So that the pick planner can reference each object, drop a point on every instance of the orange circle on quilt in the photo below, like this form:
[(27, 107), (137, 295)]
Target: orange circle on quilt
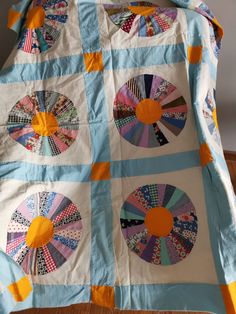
[(35, 17), (44, 123), (40, 232), (148, 111), (142, 10), (159, 221)]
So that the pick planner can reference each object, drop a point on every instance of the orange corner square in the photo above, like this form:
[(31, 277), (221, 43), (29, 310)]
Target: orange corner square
[(21, 289), (229, 296), (93, 61), (13, 17), (100, 171), (194, 54), (205, 154), (103, 296)]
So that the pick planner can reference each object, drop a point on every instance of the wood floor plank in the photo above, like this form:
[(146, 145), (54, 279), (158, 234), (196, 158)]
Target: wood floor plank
[(93, 309)]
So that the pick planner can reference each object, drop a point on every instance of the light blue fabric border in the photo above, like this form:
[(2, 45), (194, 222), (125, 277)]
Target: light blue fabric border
[(155, 165), (220, 217), (10, 272), (58, 67), (29, 172), (163, 297), (117, 59), (113, 60), (171, 297), (102, 257), (88, 23), (221, 225), (102, 263), (7, 302), (55, 296)]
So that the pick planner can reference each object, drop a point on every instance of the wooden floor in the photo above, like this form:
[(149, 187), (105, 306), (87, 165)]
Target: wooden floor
[(92, 309), (231, 162)]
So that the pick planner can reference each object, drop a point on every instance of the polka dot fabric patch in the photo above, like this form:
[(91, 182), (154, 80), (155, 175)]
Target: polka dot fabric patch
[(43, 233), (143, 19), (43, 25), (45, 123), (149, 111), (159, 224)]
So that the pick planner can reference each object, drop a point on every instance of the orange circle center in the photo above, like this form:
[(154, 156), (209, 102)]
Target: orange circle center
[(159, 221), (40, 232), (44, 123), (148, 111), (142, 10), (35, 17)]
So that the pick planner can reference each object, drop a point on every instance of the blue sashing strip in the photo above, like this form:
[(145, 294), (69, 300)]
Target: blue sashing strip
[(29, 172), (19, 73), (102, 258), (55, 296), (12, 271), (155, 165), (7, 303), (113, 60), (171, 297), (222, 224), (220, 215), (143, 56)]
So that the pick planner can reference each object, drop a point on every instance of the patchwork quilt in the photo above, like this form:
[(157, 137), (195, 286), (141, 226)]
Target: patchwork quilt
[(113, 185)]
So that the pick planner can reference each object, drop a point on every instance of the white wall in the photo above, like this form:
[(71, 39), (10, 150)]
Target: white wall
[(226, 83)]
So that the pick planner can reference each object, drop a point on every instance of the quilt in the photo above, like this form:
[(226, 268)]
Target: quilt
[(113, 184)]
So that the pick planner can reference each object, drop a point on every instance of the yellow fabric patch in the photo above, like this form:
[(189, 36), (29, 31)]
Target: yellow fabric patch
[(159, 221), (100, 171), (93, 61), (148, 111), (214, 116), (103, 296), (40, 232), (13, 17), (35, 17), (142, 10), (220, 28), (194, 54), (21, 289), (44, 123), (205, 154), (229, 295)]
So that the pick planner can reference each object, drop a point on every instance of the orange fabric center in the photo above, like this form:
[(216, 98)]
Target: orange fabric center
[(40, 232), (159, 221), (148, 111), (142, 10), (44, 123), (35, 17)]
